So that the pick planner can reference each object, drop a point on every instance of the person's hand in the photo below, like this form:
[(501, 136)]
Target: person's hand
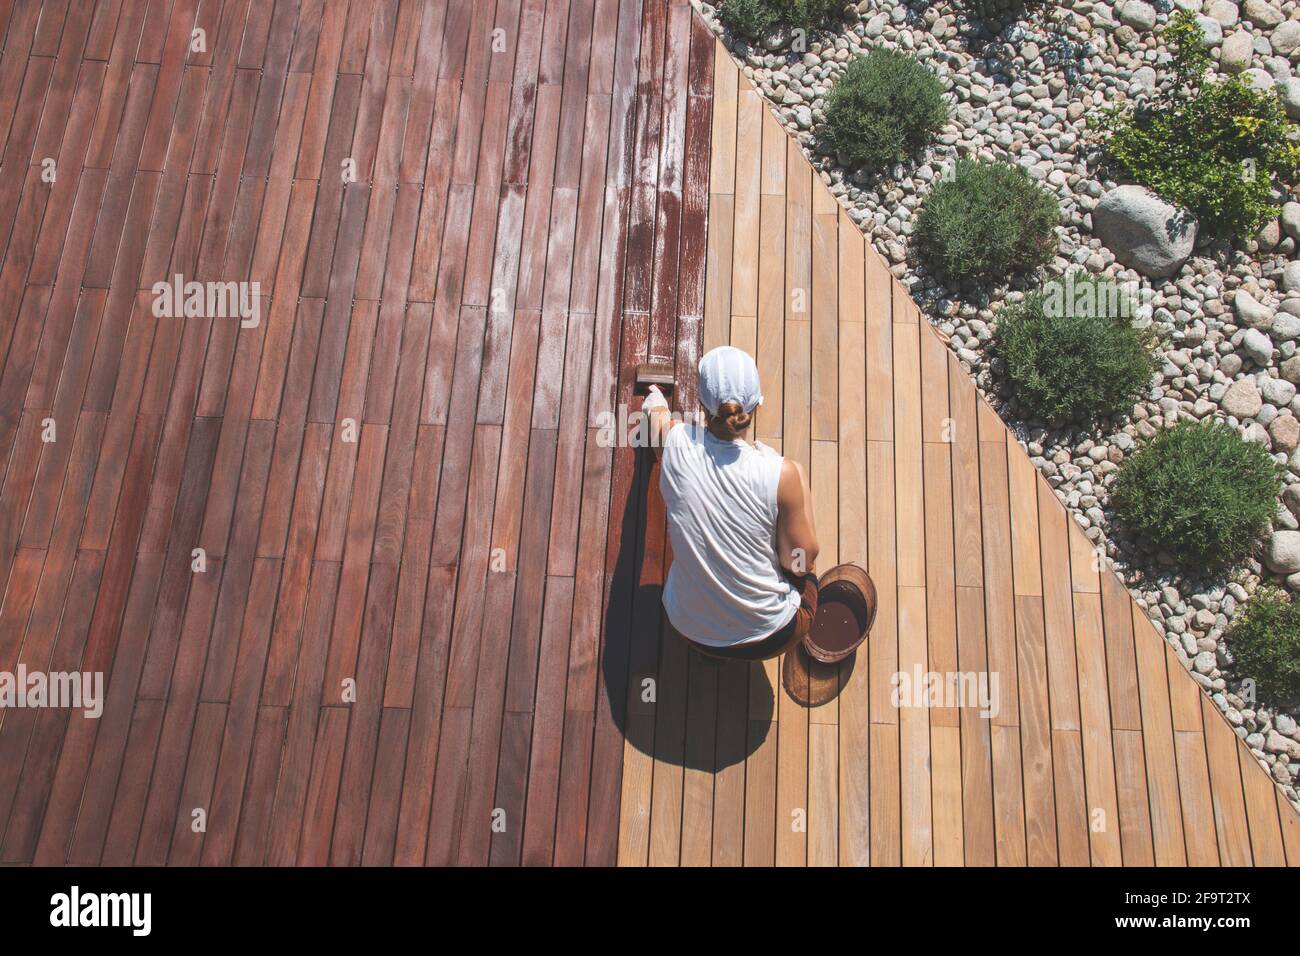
[(655, 399)]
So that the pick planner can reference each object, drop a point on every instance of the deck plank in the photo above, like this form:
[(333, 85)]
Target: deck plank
[(1158, 738), (1226, 792)]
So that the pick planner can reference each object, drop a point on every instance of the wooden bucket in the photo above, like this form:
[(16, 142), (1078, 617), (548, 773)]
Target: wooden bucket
[(846, 609)]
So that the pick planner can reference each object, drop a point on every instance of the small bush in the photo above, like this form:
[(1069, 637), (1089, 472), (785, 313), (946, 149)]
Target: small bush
[(754, 18), (1215, 149), (1077, 359), (1200, 492), (884, 108), (1265, 643), (980, 10), (1187, 40), (985, 221)]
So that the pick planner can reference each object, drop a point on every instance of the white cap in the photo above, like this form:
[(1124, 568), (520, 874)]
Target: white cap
[(728, 374)]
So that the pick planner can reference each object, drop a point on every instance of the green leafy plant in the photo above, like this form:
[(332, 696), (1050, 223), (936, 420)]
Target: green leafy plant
[(884, 107), (986, 220), (1192, 57), (1214, 148), (1200, 492), (1072, 354), (981, 10), (1265, 643), (755, 18)]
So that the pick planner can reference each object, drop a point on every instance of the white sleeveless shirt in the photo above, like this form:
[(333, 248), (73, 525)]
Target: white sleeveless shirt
[(725, 585)]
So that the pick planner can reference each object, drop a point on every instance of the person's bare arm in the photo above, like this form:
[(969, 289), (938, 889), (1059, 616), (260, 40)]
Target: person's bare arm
[(796, 536)]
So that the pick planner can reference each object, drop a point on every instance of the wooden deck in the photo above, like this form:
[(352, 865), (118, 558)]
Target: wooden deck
[(426, 605), (1103, 751)]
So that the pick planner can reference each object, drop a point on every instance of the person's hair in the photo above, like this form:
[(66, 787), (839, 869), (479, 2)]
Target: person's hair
[(731, 421)]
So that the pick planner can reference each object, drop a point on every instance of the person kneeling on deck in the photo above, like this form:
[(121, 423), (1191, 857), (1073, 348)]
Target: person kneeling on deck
[(742, 583)]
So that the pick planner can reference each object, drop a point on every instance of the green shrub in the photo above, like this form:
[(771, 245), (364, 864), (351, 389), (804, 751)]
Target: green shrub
[(884, 108), (1200, 492), (1075, 356), (987, 220), (980, 10), (754, 18), (1215, 149), (1191, 56), (1265, 643)]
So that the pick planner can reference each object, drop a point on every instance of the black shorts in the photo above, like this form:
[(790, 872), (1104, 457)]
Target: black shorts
[(781, 640)]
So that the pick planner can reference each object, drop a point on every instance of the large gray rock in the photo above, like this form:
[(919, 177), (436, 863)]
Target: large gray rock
[(1291, 277), (1285, 432), (1211, 31), (1242, 400), (1138, 14), (1145, 79), (1269, 235), (1145, 232), (1250, 312), (1283, 552), (1289, 90), (1258, 347), (1255, 432), (1279, 66), (1275, 743), (1224, 11), (1257, 79), (1286, 38), (1277, 391), (775, 38), (1291, 219), (1286, 327), (1262, 13), (1235, 54)]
